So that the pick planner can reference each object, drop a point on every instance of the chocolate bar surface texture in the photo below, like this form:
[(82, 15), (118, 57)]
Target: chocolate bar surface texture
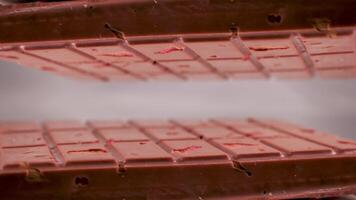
[(173, 159), (289, 54)]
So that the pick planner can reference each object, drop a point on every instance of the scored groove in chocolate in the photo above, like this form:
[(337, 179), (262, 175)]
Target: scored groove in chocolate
[(77, 50), (195, 56), (52, 146), (250, 135), (237, 41), (303, 52), (107, 143), (58, 62), (336, 143)]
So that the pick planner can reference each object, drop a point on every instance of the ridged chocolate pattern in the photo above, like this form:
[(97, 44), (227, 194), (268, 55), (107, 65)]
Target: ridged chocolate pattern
[(299, 54), (260, 151), (175, 141), (248, 158)]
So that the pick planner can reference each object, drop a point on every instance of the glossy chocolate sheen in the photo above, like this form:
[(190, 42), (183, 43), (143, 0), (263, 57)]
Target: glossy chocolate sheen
[(293, 54), (237, 159), (86, 19)]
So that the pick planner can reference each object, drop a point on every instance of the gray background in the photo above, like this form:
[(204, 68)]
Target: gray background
[(27, 94)]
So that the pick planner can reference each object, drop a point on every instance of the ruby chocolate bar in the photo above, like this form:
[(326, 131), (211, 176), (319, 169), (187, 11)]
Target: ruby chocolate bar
[(176, 159)]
